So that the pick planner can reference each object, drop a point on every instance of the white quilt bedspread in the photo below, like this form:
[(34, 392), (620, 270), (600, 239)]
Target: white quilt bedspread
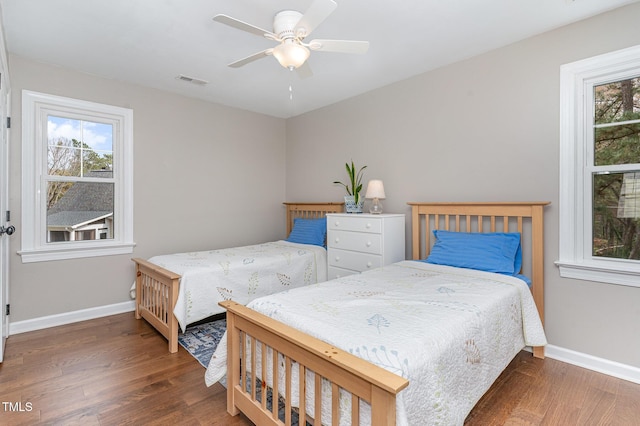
[(449, 331), (241, 274)]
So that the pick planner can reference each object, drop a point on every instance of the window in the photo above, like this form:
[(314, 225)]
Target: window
[(77, 181), (600, 168)]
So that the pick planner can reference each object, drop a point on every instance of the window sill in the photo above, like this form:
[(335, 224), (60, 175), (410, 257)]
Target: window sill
[(606, 272), (76, 252)]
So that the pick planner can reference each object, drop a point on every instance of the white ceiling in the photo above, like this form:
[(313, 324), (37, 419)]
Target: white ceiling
[(151, 42)]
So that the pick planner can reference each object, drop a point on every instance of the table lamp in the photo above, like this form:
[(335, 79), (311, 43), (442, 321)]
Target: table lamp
[(375, 191)]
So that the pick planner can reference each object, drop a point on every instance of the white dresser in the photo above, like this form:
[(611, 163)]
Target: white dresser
[(359, 242)]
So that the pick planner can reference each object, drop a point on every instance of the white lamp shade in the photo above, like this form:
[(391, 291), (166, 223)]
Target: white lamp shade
[(291, 54), (375, 189)]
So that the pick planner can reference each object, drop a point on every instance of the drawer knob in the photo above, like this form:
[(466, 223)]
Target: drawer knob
[(368, 243), (368, 225), (337, 240), (337, 223), (369, 265), (337, 258)]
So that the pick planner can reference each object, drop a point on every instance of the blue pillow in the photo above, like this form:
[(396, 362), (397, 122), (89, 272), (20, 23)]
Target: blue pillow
[(309, 231), (491, 251)]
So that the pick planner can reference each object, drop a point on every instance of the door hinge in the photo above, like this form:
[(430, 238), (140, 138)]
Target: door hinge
[(7, 215), (7, 310), (8, 122)]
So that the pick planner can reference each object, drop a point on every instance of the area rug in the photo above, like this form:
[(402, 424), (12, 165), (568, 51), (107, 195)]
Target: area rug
[(202, 340)]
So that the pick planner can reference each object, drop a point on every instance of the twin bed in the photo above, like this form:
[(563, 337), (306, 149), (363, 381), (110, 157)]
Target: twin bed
[(175, 290), (411, 343)]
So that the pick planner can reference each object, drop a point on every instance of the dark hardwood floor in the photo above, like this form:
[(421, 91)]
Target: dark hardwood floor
[(116, 370)]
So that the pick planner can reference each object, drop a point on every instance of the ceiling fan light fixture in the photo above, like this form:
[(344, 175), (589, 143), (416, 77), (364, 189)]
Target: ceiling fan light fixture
[(290, 54), (290, 29)]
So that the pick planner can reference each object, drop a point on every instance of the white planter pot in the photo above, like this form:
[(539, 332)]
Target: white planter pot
[(350, 205)]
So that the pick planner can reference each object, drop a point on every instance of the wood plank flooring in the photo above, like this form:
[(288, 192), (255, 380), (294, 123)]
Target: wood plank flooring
[(116, 370)]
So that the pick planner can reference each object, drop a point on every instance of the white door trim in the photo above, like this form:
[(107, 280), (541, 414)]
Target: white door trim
[(5, 104)]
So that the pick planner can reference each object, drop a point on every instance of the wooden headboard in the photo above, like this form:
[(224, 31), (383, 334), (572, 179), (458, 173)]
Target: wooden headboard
[(310, 211), (523, 217)]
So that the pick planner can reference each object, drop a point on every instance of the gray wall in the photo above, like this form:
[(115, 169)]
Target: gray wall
[(482, 129), (206, 176)]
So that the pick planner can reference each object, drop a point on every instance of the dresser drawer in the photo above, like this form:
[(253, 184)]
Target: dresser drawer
[(356, 223), (334, 272), (356, 241), (353, 260)]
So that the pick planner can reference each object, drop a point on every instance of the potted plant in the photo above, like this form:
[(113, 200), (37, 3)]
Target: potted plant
[(352, 201)]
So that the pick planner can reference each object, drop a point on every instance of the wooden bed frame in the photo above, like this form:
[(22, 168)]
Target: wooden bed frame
[(157, 288), (362, 379)]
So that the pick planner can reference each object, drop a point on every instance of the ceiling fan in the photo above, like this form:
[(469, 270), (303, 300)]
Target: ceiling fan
[(290, 28)]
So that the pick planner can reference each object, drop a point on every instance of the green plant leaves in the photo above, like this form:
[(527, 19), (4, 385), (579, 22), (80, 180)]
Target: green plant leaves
[(354, 185)]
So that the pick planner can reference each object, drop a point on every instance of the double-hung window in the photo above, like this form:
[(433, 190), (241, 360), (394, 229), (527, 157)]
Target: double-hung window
[(600, 168), (77, 198)]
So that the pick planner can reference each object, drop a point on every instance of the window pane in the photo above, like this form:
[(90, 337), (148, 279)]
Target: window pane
[(78, 147), (618, 101), (616, 215), (618, 144), (617, 130), (79, 211)]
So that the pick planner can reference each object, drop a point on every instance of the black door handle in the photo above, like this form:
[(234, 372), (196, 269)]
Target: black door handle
[(9, 230)]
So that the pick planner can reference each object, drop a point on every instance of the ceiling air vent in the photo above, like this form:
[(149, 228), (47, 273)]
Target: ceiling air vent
[(192, 80)]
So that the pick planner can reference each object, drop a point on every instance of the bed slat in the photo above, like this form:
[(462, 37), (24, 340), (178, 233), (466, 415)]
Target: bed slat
[(302, 391), (317, 380), (276, 391), (335, 404)]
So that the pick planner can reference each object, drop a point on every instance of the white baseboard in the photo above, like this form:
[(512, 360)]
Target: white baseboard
[(601, 365), (70, 317)]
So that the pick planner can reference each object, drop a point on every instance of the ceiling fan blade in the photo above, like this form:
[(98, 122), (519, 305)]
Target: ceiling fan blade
[(304, 71), (254, 57), (243, 26), (314, 16), (342, 46)]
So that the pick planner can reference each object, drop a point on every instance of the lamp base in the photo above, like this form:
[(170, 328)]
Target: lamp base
[(376, 207)]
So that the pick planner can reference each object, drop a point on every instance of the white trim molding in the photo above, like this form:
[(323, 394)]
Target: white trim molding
[(70, 317), (577, 81), (590, 362), (36, 108)]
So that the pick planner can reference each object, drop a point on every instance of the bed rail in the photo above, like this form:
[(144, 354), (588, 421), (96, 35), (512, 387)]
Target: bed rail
[(301, 352)]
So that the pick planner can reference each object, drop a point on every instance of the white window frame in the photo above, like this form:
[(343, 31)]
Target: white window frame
[(577, 81), (35, 109)]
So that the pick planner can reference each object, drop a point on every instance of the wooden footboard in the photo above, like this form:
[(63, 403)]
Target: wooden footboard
[(301, 352), (156, 295)]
